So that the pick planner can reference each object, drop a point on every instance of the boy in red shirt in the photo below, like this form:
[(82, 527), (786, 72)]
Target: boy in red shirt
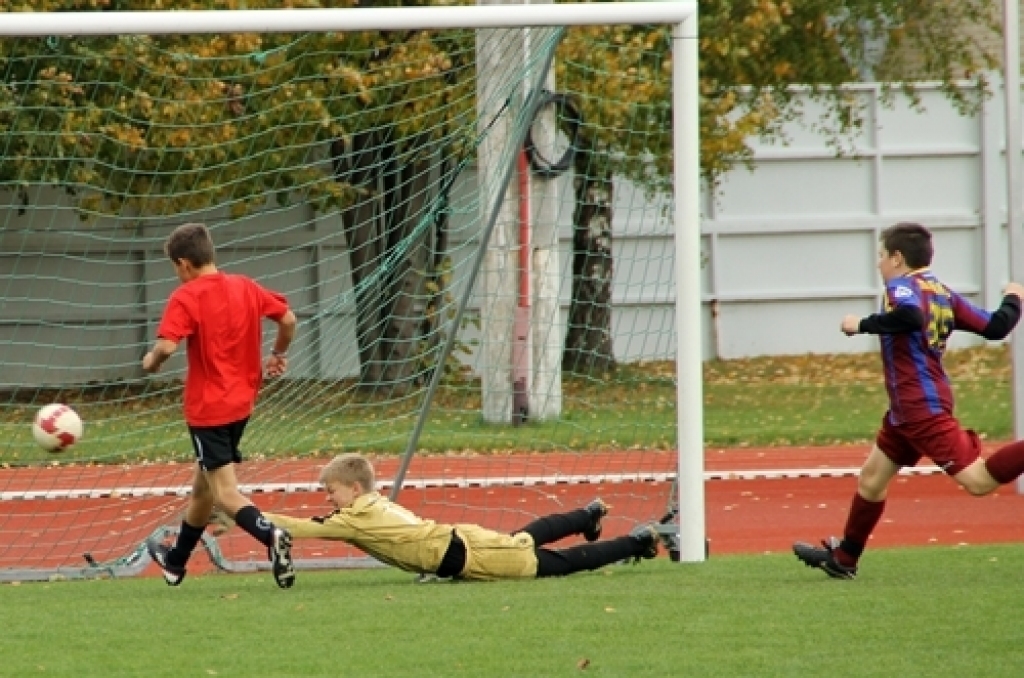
[(919, 313), (220, 315)]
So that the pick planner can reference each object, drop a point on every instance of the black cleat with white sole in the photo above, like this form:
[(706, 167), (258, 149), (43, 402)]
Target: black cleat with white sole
[(280, 552), (158, 552)]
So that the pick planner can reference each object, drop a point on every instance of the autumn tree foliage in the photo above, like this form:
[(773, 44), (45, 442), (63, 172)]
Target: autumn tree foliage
[(750, 52), (172, 124)]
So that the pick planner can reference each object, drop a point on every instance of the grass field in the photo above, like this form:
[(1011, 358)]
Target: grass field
[(801, 400), (914, 612)]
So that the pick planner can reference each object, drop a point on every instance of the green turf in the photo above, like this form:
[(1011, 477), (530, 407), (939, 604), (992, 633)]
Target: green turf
[(797, 400), (914, 612)]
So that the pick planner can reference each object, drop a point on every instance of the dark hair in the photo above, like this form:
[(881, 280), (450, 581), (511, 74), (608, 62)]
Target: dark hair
[(191, 242), (913, 241)]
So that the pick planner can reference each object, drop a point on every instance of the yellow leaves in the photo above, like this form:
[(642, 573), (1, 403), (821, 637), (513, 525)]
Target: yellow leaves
[(179, 138), (347, 74), (244, 43), (144, 102), (202, 120), (125, 134), (783, 69)]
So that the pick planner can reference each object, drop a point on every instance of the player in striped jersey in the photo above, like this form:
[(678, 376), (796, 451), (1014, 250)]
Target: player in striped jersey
[(396, 536), (918, 315)]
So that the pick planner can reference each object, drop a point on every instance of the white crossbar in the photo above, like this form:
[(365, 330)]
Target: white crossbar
[(42, 24)]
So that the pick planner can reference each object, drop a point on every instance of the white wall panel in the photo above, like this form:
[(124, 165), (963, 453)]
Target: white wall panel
[(936, 124), (796, 186), (782, 264), (931, 185), (789, 328)]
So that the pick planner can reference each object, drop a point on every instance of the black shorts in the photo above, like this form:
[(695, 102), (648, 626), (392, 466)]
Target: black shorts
[(217, 446)]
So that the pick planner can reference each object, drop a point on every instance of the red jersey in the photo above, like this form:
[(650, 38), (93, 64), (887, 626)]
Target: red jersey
[(221, 317)]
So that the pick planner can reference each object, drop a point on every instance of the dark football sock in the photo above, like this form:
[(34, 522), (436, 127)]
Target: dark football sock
[(252, 521), (557, 526), (188, 538), (560, 562), (860, 523), (1007, 463)]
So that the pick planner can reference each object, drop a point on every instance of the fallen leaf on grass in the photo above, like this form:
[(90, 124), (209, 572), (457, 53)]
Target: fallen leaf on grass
[(583, 664)]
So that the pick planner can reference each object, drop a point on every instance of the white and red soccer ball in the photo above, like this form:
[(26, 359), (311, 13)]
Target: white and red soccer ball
[(57, 427)]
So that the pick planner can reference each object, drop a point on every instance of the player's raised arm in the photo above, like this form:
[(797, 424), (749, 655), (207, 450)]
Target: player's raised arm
[(995, 325)]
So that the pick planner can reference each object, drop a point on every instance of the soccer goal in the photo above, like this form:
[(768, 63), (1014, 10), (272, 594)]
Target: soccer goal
[(485, 217)]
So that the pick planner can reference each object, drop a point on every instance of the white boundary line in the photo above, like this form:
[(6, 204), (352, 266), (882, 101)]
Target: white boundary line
[(459, 482)]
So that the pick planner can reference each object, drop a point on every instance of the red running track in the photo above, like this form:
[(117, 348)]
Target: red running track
[(742, 516)]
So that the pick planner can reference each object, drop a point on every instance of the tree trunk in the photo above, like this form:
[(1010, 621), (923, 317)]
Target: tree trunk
[(400, 348), (365, 246), (390, 302), (588, 340)]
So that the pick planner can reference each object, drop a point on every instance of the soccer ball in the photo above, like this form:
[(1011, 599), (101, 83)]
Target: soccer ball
[(57, 427)]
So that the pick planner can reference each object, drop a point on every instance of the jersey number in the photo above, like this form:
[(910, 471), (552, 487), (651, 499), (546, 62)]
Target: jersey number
[(940, 326)]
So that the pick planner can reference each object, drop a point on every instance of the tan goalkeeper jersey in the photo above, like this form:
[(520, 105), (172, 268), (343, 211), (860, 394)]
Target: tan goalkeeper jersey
[(395, 535)]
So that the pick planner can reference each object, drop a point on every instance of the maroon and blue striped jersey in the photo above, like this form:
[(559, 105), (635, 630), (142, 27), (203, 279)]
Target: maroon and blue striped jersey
[(919, 314)]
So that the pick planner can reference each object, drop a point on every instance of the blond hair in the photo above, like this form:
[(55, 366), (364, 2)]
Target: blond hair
[(349, 469)]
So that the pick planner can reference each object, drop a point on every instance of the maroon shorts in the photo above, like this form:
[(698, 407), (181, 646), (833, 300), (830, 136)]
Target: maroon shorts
[(940, 438)]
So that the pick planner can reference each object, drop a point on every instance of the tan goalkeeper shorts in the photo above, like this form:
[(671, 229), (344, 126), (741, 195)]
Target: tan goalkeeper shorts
[(497, 555)]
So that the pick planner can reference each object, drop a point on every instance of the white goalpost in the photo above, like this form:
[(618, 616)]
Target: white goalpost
[(681, 15)]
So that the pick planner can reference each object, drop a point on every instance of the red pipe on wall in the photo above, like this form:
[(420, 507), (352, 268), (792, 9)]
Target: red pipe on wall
[(523, 174), (521, 327)]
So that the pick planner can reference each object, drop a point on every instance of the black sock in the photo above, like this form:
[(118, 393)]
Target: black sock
[(188, 538), (556, 563), (558, 526), (252, 521)]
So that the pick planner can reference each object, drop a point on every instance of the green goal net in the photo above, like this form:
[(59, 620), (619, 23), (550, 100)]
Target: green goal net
[(474, 228)]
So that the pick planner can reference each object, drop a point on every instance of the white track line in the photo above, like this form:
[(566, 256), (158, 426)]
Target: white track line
[(460, 482)]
